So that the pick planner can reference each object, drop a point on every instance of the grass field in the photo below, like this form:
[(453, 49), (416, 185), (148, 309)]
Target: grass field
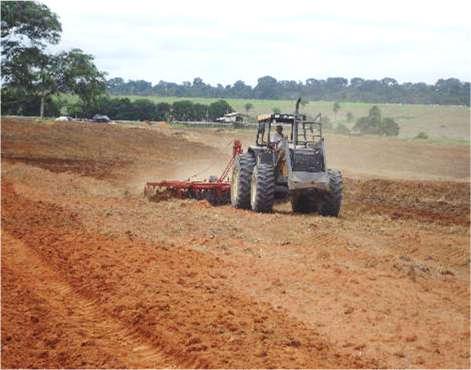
[(440, 122)]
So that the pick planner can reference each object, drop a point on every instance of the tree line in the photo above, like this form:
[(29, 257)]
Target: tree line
[(387, 90), (145, 109), (118, 108)]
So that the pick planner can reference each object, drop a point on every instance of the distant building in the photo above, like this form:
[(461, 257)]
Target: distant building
[(231, 117)]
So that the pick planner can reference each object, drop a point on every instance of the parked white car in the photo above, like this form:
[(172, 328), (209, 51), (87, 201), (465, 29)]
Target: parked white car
[(63, 119)]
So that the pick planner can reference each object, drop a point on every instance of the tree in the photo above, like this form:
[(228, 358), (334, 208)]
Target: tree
[(116, 86), (374, 115), (335, 109), (162, 111), (388, 81), (389, 127), (198, 82), (34, 73), (218, 109), (357, 82), (182, 110), (421, 136), (27, 25), (336, 83), (376, 125), (139, 87), (145, 109), (266, 88), (66, 72), (248, 107), (371, 123), (241, 90), (335, 87), (350, 117), (200, 112), (198, 88), (28, 71), (362, 125), (26, 29), (80, 75)]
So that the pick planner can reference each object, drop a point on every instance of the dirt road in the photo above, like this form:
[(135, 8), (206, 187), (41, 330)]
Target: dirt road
[(93, 275)]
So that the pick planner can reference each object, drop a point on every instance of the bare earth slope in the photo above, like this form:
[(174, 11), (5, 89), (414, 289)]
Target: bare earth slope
[(93, 275)]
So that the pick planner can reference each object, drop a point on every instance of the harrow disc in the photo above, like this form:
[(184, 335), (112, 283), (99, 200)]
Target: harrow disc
[(158, 193), (213, 196)]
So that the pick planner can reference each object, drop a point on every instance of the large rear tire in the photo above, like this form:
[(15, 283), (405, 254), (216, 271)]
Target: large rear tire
[(240, 182), (332, 200), (262, 194)]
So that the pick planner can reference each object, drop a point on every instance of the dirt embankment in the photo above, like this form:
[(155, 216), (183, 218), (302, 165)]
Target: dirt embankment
[(93, 275)]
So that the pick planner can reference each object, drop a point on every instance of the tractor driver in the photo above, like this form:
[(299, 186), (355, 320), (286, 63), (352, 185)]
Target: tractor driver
[(278, 135), (280, 154)]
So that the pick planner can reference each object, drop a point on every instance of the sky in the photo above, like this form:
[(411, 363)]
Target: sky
[(226, 41)]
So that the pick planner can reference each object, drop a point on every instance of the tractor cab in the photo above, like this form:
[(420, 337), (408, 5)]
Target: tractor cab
[(299, 132), (302, 140)]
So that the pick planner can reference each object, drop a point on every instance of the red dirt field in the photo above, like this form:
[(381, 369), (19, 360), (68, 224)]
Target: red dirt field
[(94, 275)]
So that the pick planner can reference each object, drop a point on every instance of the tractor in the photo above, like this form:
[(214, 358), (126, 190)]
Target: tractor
[(292, 167)]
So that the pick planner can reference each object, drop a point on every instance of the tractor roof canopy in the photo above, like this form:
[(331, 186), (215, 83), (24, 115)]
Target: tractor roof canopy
[(279, 117)]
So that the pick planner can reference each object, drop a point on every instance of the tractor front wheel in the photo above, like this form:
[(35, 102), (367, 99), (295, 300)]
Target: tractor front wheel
[(332, 200)]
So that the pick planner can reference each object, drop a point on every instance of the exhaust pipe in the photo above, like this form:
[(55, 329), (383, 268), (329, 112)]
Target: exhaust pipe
[(297, 106), (295, 124)]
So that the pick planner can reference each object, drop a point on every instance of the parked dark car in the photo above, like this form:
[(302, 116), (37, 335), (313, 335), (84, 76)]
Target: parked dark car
[(101, 118)]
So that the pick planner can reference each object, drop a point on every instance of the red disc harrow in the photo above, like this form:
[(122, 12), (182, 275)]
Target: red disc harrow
[(216, 190)]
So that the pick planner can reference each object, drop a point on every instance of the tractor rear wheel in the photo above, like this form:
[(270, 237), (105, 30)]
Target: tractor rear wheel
[(240, 182), (262, 194), (332, 200)]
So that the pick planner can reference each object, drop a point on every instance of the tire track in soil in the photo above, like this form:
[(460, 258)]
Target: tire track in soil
[(110, 336)]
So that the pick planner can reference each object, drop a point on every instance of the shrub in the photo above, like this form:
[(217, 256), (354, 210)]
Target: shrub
[(182, 110), (422, 136), (374, 124), (389, 127), (218, 109)]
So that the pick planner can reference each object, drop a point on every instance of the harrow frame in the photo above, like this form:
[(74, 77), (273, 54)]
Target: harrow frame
[(217, 192)]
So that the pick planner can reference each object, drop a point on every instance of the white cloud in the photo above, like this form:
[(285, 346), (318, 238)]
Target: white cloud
[(223, 41)]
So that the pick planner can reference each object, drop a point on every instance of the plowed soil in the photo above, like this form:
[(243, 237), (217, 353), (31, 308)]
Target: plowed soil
[(94, 275)]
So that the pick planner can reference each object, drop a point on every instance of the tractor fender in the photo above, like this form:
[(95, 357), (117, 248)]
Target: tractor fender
[(263, 155)]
